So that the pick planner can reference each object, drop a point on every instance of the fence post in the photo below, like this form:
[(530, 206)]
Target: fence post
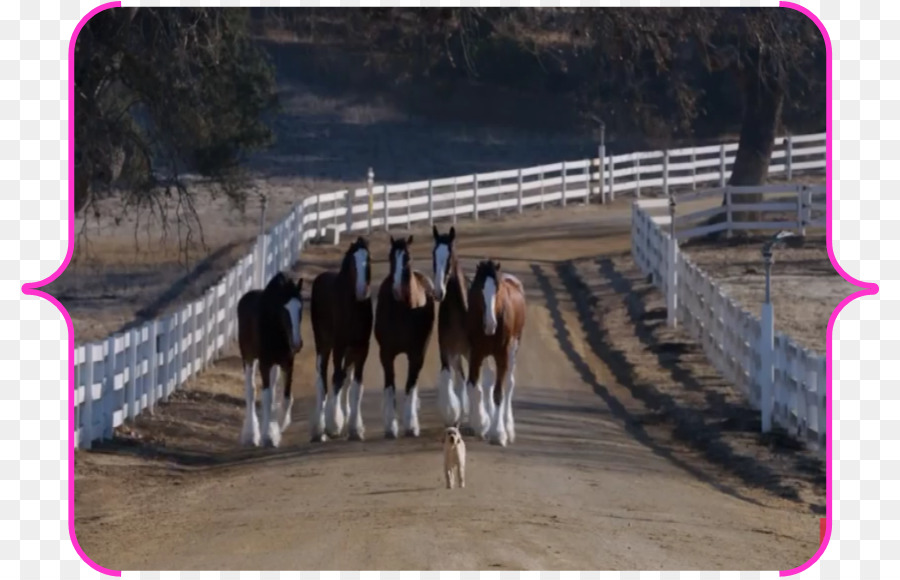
[(475, 195), (672, 273), (601, 162), (767, 351), (87, 407), (541, 190), (370, 185), (587, 183), (132, 394), (665, 175), (455, 191), (693, 169), (109, 391), (563, 175), (801, 204), (788, 156), (408, 209), (386, 213), (722, 165), (612, 177), (430, 203), (729, 218), (348, 218), (637, 176), (154, 366), (519, 191)]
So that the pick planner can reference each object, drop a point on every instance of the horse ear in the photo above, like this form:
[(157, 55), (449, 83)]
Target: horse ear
[(409, 240), (434, 232), (452, 233), (498, 266), (300, 285)]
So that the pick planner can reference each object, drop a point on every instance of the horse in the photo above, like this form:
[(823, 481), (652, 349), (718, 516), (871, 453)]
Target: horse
[(341, 305), (495, 321), (269, 338), (404, 320), (450, 291)]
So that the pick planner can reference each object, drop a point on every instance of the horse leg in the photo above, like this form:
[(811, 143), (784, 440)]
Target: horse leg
[(498, 429), (250, 431), (345, 398), (477, 413), (462, 394), (287, 402), (334, 414), (388, 403), (356, 428), (317, 421), (271, 434), (411, 403), (448, 403), (510, 388)]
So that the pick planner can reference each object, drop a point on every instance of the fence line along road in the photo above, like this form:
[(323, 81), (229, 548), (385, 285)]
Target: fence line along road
[(129, 372), (786, 382)]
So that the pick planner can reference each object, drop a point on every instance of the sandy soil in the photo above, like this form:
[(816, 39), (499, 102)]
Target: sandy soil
[(805, 287), (631, 452)]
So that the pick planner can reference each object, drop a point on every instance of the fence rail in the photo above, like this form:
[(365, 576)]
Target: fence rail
[(786, 382), (118, 378)]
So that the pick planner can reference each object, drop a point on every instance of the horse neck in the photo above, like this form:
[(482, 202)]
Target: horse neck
[(456, 283), (344, 282)]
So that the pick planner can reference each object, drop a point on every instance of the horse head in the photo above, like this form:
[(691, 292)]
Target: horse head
[(359, 266), (401, 268), (442, 258), (484, 286), (286, 295)]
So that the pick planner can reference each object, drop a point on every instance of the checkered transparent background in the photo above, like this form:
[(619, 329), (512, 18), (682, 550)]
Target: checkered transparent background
[(34, 540)]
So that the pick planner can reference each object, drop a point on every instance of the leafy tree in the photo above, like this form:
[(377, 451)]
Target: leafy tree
[(160, 93)]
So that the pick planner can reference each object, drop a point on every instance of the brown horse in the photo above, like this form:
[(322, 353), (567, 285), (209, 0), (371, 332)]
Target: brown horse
[(404, 318), (342, 327), (269, 337), (453, 341), (495, 322)]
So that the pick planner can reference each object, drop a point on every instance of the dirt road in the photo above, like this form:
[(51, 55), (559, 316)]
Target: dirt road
[(630, 452)]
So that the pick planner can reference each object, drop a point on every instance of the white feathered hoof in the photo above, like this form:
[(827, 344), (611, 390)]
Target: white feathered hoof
[(286, 406), (272, 437), (357, 434), (250, 432), (318, 438), (334, 416), (498, 438)]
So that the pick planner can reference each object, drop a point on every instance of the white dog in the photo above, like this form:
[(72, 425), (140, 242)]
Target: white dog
[(454, 457)]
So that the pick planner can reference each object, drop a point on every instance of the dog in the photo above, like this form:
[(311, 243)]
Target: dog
[(454, 457)]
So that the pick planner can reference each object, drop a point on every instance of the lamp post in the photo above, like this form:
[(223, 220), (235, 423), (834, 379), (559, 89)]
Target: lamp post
[(767, 333)]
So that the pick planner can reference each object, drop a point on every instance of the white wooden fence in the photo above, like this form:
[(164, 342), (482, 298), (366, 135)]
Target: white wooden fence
[(785, 381), (120, 377)]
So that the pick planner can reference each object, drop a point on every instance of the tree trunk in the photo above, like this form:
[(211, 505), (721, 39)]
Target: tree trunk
[(763, 102)]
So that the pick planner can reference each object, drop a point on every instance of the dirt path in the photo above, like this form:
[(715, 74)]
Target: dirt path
[(602, 475)]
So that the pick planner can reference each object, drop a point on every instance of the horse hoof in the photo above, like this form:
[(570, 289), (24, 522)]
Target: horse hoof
[(498, 441), (412, 433), (318, 438), (356, 436), (390, 435)]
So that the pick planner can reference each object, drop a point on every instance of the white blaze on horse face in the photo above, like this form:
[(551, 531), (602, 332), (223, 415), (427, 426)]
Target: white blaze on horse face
[(362, 258), (398, 272), (490, 301), (294, 308), (441, 255)]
